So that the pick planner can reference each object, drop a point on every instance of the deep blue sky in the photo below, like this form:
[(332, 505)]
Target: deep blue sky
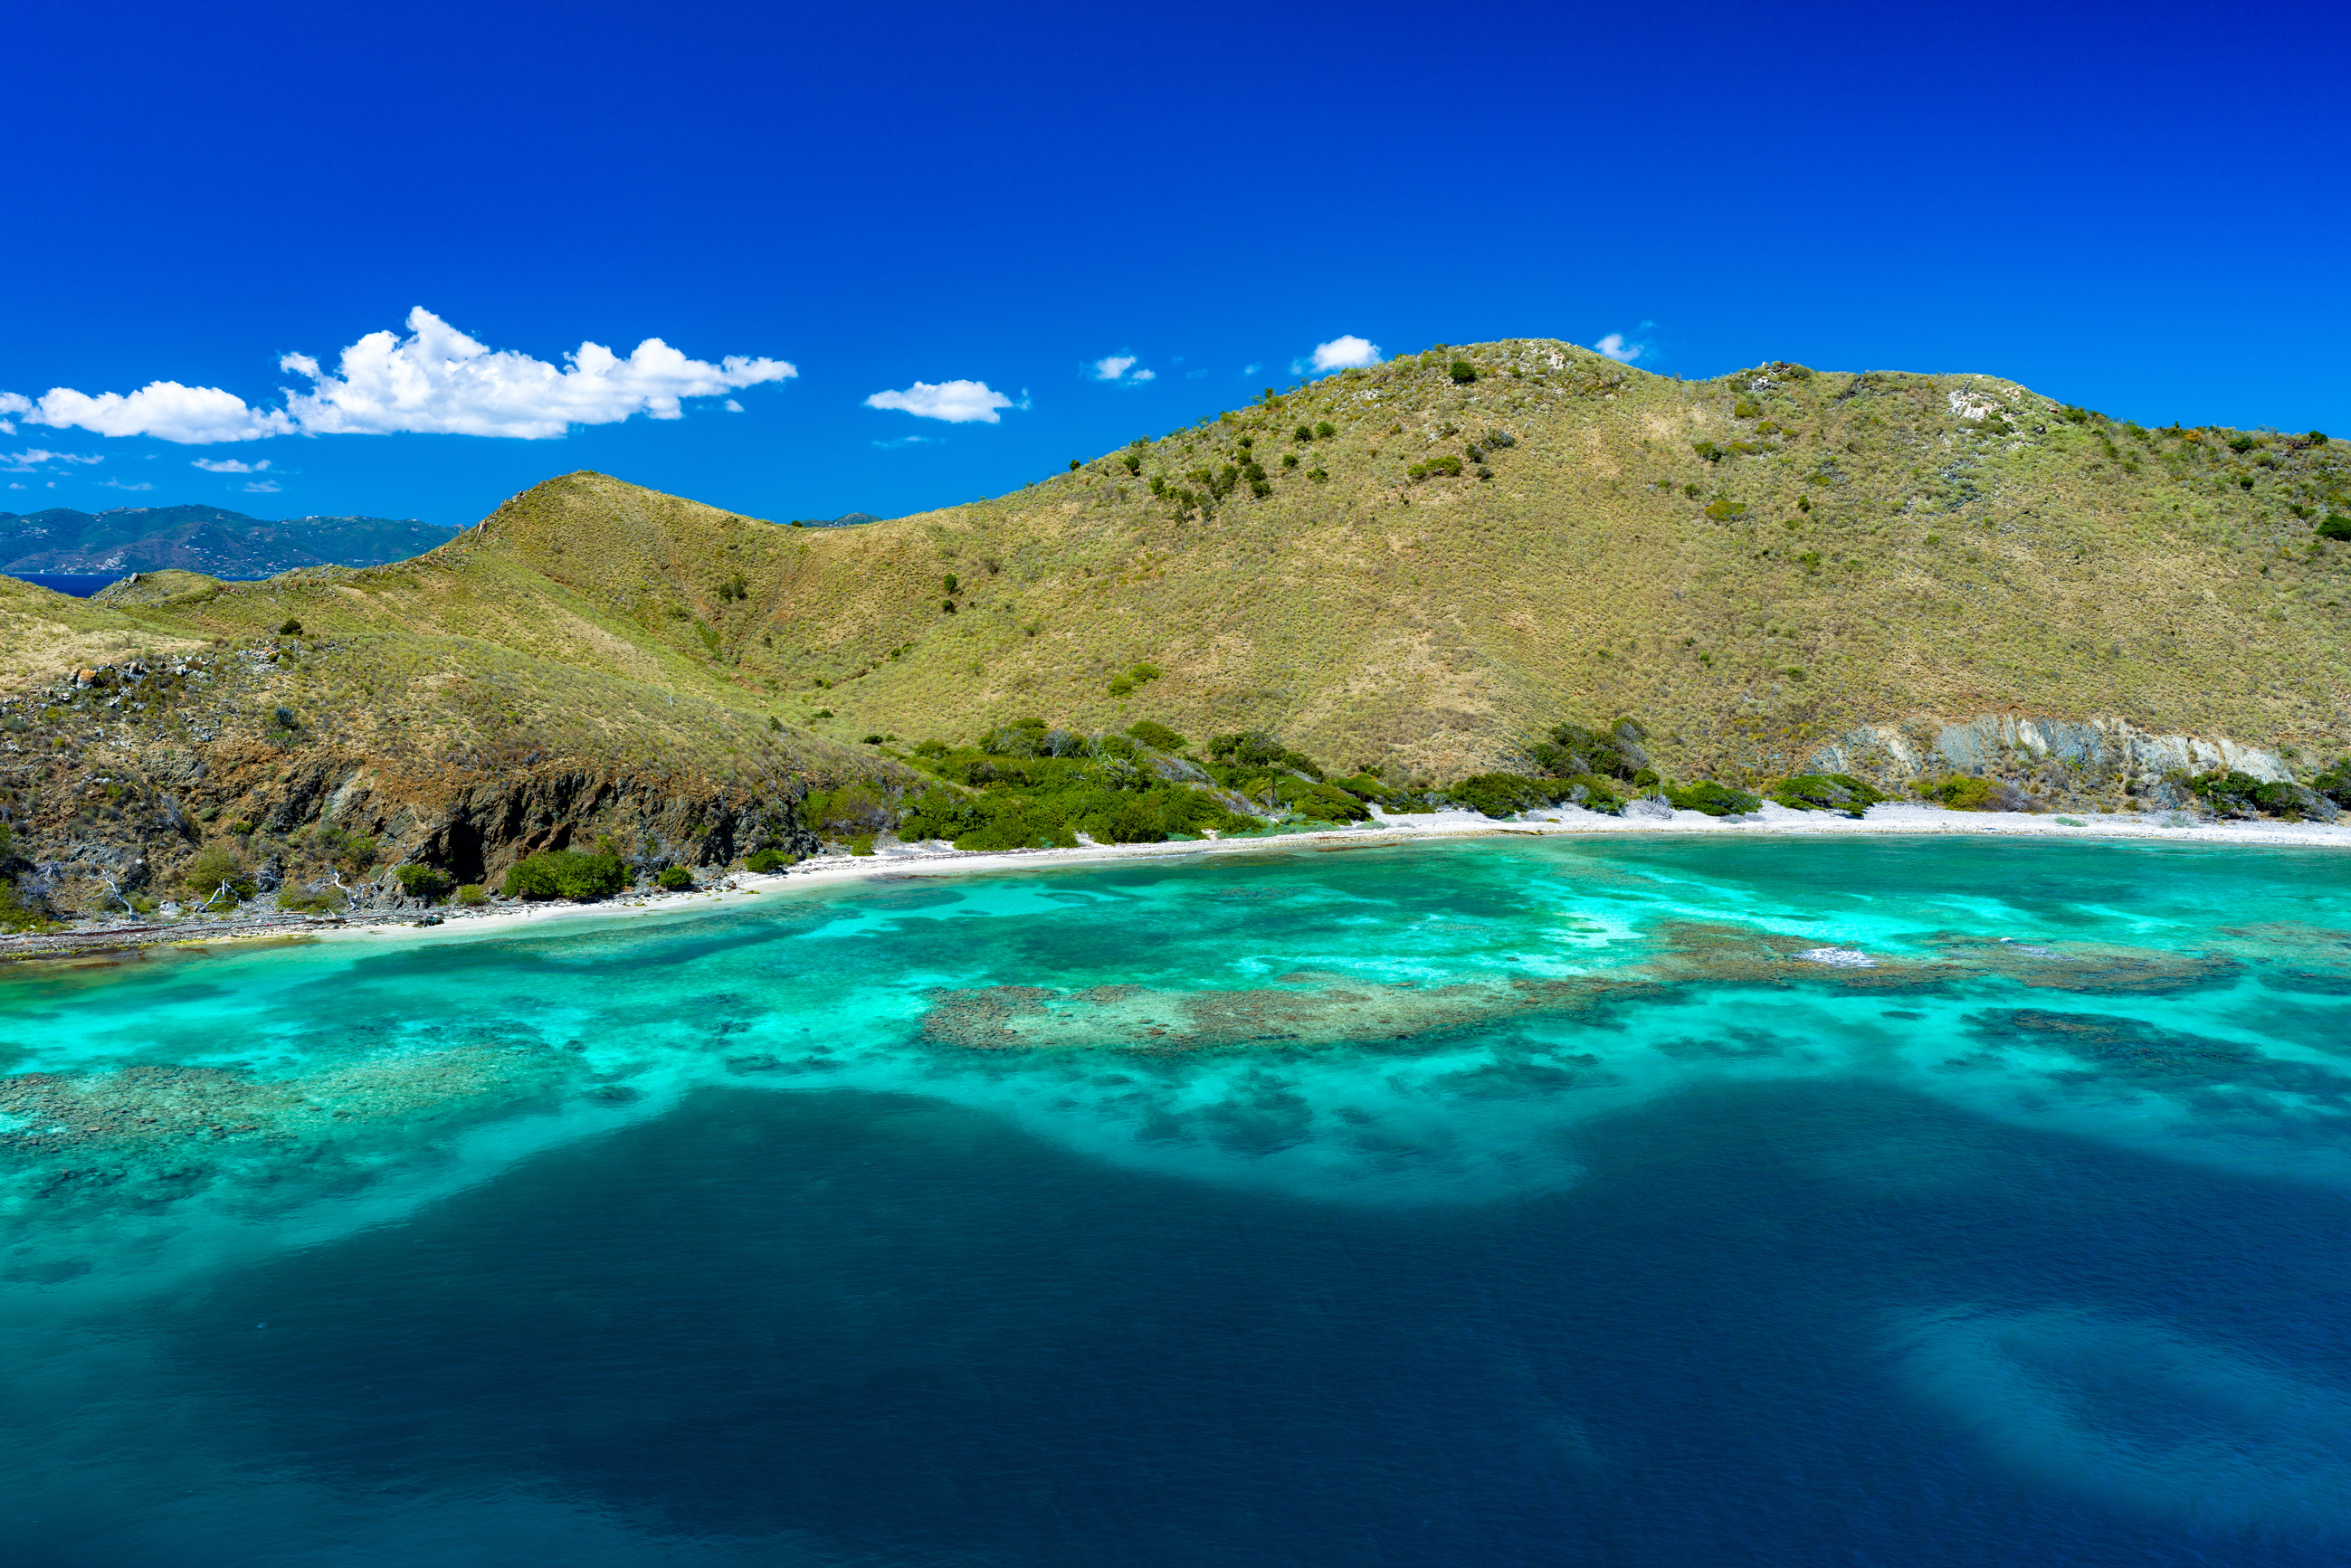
[(2137, 209)]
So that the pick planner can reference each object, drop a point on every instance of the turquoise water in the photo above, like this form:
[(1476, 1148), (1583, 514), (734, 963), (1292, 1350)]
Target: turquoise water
[(1515, 1200)]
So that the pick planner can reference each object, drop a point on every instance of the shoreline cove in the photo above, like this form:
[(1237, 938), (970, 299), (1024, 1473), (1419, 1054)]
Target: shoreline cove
[(1901, 819), (1774, 821)]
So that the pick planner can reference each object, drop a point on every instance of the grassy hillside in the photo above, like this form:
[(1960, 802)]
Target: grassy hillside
[(1749, 564), (1415, 566)]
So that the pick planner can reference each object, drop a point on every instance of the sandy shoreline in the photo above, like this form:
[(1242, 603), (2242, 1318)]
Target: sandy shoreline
[(1772, 821), (1893, 818)]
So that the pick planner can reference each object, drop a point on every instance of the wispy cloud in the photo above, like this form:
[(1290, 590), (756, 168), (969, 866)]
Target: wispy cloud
[(33, 459), (957, 402), (1111, 367), (1344, 353), (1251, 368), (230, 466), (13, 403), (118, 484), (911, 441), (434, 381), (264, 488), (1625, 349)]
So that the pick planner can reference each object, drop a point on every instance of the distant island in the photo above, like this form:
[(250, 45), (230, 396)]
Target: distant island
[(208, 539)]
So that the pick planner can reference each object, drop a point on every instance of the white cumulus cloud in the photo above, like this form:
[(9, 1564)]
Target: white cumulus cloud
[(1112, 366), (1346, 353), (192, 416), (434, 381), (32, 459), (438, 380), (230, 466), (1625, 349), (1144, 376), (13, 403), (958, 403)]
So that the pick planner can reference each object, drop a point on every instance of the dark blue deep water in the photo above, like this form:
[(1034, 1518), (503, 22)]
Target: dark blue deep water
[(757, 1249)]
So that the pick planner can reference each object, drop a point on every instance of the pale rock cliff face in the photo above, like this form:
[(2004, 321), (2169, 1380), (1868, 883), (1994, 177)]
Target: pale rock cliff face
[(2071, 761)]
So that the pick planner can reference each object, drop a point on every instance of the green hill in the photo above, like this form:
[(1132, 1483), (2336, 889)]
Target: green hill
[(1417, 567)]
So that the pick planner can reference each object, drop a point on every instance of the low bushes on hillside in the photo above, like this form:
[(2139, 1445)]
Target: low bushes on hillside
[(1826, 792), (1714, 800), (218, 872), (566, 874), (1507, 794), (1962, 793)]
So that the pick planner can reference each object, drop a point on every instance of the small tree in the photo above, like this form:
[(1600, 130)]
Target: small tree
[(218, 872), (1463, 372)]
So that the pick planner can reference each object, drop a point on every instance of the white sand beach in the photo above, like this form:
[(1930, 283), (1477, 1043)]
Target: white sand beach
[(1572, 822)]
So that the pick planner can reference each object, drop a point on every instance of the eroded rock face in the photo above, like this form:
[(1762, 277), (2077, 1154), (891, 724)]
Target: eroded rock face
[(2064, 762)]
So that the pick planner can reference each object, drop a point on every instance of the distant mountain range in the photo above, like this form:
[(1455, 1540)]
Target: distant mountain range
[(209, 540)]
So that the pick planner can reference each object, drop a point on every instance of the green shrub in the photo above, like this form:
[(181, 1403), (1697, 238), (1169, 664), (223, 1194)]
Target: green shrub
[(2335, 526), (1714, 800), (1324, 430), (1570, 749), (2243, 443), (353, 852), (1157, 735), (1462, 371), (1746, 408), (1723, 510), (1707, 450), (289, 627), (862, 844), (421, 881), (566, 874), (1826, 792), (1133, 462), (215, 866), (852, 809), (2291, 801), (1961, 793), (766, 861), (18, 912), (1076, 463), (675, 879), (1318, 475), (471, 896), (1505, 794), (1304, 434), (2228, 793), (1121, 686)]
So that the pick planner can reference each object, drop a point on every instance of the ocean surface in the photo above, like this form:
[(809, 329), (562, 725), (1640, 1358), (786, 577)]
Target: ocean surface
[(77, 584), (1624, 1202)]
